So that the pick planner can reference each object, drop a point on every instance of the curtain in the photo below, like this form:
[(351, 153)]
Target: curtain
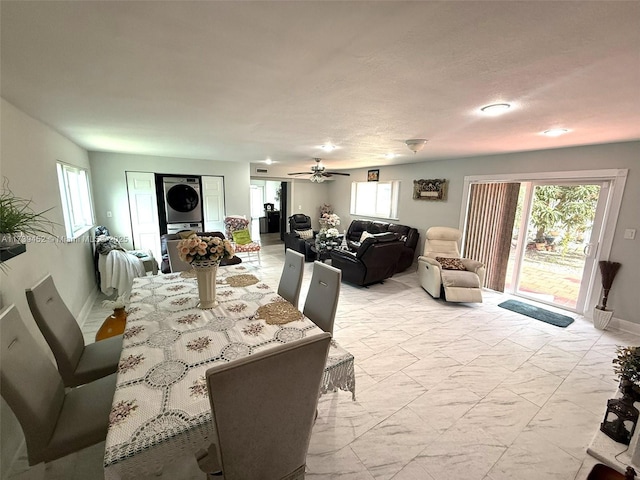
[(492, 211)]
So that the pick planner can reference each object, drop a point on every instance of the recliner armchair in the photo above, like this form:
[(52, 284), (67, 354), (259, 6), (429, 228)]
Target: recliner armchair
[(293, 240), (375, 260), (457, 281)]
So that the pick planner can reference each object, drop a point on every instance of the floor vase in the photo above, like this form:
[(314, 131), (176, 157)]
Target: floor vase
[(601, 318), (206, 272), (113, 325)]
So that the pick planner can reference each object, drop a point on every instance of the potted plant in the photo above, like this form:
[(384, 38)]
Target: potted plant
[(627, 366), (608, 271), (17, 221)]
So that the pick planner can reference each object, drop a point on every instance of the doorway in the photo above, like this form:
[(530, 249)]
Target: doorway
[(554, 241), (567, 250)]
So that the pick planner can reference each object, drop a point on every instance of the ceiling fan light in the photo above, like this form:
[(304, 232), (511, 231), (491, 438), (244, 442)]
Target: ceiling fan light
[(416, 144), (317, 178)]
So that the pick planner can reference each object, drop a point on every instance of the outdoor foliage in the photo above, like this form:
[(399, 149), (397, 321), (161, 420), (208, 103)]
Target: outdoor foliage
[(566, 208)]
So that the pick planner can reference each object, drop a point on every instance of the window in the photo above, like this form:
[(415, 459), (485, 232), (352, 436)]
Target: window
[(76, 199), (375, 199)]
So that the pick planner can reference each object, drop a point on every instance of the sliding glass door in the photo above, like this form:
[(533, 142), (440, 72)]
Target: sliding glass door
[(554, 241)]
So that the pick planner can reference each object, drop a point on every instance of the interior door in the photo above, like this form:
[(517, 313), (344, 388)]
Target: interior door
[(143, 209), (556, 242), (213, 203)]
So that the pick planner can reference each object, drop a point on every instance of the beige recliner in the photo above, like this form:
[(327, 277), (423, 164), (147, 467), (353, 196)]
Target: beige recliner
[(460, 279)]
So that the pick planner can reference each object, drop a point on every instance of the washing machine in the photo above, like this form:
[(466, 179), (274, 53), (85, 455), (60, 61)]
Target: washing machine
[(179, 227), (182, 199)]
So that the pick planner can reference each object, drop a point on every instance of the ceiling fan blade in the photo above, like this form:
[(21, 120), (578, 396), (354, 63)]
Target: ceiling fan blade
[(339, 173), (301, 173)]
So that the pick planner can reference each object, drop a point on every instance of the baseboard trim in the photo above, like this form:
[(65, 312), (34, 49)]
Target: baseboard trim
[(86, 308), (624, 326)]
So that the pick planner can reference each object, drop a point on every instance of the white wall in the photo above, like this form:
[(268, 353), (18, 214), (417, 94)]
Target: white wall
[(110, 187), (28, 152), (624, 298)]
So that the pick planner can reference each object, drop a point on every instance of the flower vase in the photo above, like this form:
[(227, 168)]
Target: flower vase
[(206, 272), (601, 318), (113, 325)]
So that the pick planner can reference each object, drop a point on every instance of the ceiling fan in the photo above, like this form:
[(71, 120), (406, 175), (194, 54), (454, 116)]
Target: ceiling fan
[(319, 173)]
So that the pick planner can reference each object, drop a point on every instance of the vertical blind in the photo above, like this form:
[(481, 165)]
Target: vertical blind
[(492, 211)]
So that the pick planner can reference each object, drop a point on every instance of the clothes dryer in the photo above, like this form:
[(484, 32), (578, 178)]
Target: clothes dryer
[(182, 199)]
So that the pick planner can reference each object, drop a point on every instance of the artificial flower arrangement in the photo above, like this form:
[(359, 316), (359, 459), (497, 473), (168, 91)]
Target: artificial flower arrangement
[(332, 233), (325, 209), (199, 249), (331, 219)]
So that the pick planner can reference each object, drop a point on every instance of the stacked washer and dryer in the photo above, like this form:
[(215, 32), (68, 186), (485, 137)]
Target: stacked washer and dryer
[(183, 204)]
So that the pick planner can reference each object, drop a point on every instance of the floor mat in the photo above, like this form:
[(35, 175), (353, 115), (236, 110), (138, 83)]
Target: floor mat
[(538, 313)]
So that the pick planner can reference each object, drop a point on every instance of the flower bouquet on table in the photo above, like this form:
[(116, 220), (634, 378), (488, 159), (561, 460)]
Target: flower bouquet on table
[(204, 250), (205, 254)]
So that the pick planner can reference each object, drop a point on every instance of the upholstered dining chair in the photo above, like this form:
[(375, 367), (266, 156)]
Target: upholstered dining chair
[(263, 409), (291, 277), (441, 271), (322, 297), (54, 423), (77, 363), (175, 262)]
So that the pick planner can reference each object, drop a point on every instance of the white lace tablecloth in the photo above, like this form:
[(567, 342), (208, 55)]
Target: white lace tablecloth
[(161, 407)]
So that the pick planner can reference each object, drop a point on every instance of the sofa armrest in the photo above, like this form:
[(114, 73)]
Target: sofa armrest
[(344, 256), (429, 260)]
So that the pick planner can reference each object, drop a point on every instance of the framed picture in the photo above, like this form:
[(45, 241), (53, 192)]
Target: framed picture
[(435, 189), (373, 175)]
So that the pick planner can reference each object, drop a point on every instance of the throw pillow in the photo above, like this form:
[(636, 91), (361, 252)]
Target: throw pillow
[(186, 234), (305, 234), (450, 263), (365, 235), (241, 237)]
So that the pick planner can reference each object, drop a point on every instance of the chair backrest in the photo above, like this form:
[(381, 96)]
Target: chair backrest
[(29, 383), (442, 242), (291, 277), (322, 298), (175, 262), (58, 325), (233, 223), (299, 221), (263, 408)]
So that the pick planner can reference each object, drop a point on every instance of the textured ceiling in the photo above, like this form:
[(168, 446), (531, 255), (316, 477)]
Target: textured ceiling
[(243, 81)]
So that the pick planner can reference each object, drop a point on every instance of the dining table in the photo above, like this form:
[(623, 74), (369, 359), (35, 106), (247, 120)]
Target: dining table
[(161, 411)]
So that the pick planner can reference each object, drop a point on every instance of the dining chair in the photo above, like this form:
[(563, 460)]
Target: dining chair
[(263, 408), (54, 423), (323, 294), (176, 264), (77, 363), (291, 278)]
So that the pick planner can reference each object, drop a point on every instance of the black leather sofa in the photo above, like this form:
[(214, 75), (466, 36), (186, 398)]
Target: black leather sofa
[(407, 235), (375, 259), (164, 266), (292, 239)]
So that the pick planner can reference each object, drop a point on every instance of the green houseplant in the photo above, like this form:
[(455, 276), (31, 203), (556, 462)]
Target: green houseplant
[(19, 220)]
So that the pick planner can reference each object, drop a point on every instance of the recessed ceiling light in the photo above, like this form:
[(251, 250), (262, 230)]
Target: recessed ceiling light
[(389, 155), (555, 132), (495, 109), (327, 147), (268, 161)]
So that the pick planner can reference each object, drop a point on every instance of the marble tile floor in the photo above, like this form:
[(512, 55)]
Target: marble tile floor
[(444, 391)]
